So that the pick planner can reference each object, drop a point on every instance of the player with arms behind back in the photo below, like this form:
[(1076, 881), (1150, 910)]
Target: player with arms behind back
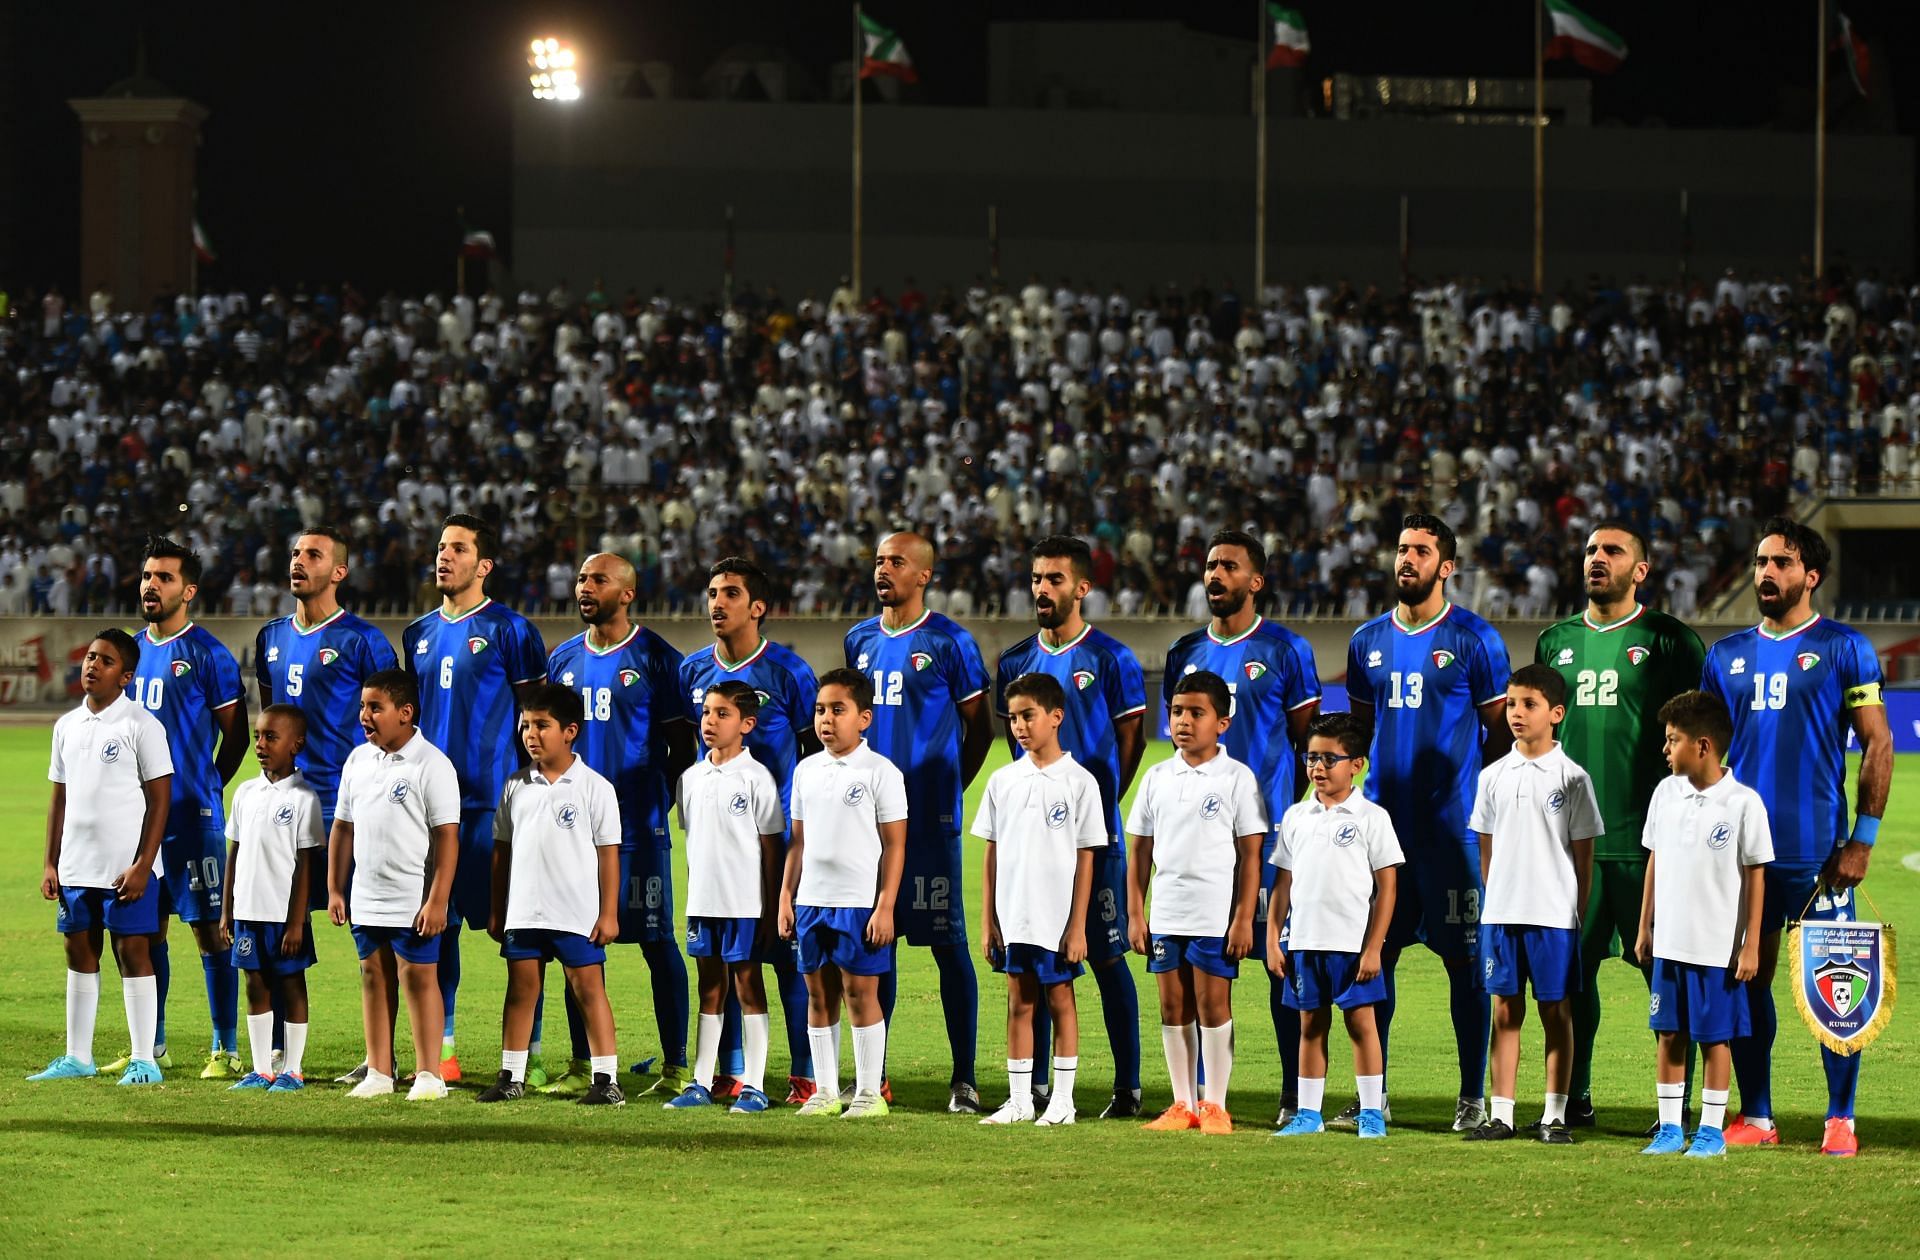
[(1794, 685)]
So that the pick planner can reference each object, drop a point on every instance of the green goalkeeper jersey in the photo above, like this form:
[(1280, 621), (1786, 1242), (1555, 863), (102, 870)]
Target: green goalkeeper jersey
[(1618, 677)]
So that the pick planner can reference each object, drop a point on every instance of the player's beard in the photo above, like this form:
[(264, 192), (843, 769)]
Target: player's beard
[(1224, 603), (600, 615), (1613, 589), (1781, 602), (1414, 590), (1052, 616), (158, 612)]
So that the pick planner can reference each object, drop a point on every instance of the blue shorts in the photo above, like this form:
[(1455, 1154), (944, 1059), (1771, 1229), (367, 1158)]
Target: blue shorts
[(931, 907), (1048, 966), (546, 944), (1787, 891), (256, 947), (1318, 978), (838, 935), (1705, 1003), (407, 944), (1107, 905), (195, 862), (1204, 953), (317, 881), (646, 896), (471, 901), (729, 940), (1269, 876), (1437, 899), (90, 909), (1512, 954)]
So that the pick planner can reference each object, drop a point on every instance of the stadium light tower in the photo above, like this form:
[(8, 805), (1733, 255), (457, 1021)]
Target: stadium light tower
[(553, 70)]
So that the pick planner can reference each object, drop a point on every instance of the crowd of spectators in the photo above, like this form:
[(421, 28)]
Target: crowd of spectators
[(797, 431)]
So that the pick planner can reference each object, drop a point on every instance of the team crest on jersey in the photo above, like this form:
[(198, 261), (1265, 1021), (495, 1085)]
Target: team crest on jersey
[(763, 698), (1556, 801), (628, 677), (1253, 670), (567, 815), (110, 751), (738, 805), (328, 655), (1210, 807), (476, 645), (855, 793), (1082, 679), (273, 654), (1739, 665), (1636, 654), (398, 792), (1442, 658), (1347, 834), (283, 817), (920, 660), (1719, 837), (1373, 660), (861, 661), (1807, 660), (1566, 657), (1057, 815), (180, 668)]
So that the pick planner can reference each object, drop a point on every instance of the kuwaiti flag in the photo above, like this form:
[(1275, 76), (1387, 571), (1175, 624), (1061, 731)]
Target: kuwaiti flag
[(885, 54), (1577, 35), (202, 243), (1289, 37), (477, 243)]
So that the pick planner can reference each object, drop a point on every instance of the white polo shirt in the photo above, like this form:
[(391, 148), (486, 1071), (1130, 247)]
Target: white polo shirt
[(1700, 842), (272, 822), (1195, 815), (394, 800), (1534, 809), (1038, 820), (843, 801), (1333, 851), (555, 828), (725, 809), (105, 759)]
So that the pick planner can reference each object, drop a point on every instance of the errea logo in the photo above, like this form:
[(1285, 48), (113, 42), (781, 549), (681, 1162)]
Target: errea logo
[(1739, 665), (1565, 657), (273, 654), (861, 661), (1373, 660)]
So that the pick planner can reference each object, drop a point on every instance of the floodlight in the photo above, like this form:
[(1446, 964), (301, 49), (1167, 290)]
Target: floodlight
[(553, 70)]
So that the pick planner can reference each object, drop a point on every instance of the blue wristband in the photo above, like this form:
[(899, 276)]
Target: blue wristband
[(1865, 830)]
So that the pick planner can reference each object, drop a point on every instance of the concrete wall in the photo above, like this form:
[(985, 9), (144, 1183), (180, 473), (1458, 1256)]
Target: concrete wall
[(636, 192)]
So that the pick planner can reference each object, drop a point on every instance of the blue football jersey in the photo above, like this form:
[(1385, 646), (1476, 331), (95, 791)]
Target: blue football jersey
[(466, 668), (786, 686), (921, 674), (1103, 683), (631, 691), (1426, 684), (1271, 672), (319, 669), (1789, 696), (184, 681)]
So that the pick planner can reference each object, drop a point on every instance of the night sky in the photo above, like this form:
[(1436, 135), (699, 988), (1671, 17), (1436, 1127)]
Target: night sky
[(343, 137)]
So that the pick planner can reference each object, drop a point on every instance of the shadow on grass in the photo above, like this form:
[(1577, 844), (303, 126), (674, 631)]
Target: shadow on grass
[(405, 1131)]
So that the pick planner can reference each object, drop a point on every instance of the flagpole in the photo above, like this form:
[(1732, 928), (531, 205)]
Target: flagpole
[(1260, 38), (859, 46), (1540, 150), (726, 278), (993, 242), (1406, 244), (1820, 151)]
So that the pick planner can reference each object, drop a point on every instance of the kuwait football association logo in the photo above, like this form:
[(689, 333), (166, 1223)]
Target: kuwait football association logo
[(181, 668), (1843, 981), (1253, 670), (1807, 660), (1843, 985), (628, 677), (1082, 679), (329, 655), (1637, 653), (920, 661), (1442, 658), (476, 645)]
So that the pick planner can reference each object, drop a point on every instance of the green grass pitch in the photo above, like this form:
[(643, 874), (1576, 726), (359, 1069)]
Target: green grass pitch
[(184, 1166)]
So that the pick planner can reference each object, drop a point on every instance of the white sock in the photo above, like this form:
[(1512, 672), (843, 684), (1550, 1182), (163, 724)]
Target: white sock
[(1216, 1047), (1313, 1092), (1554, 1110), (1503, 1110), (706, 1049), (1762, 1123), (141, 995), (83, 1007), (1020, 1082), (1713, 1108), (533, 1049), (1672, 1098), (825, 1043), (1180, 1042), (514, 1064), (607, 1065), (1065, 1068), (446, 1047), (260, 1041), (296, 1048), (869, 1057), (754, 1033), (1372, 1091)]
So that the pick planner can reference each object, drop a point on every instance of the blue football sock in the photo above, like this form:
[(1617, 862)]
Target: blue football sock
[(449, 973), (960, 1000), (1472, 1026), (223, 1000), (540, 1016), (576, 1029), (732, 1059), (1383, 1016), (670, 1002), (1042, 1041), (279, 1023), (1843, 1080), (793, 1000), (1120, 1003), (1753, 1055), (889, 990), (1286, 1030), (162, 981), (1693, 1057)]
